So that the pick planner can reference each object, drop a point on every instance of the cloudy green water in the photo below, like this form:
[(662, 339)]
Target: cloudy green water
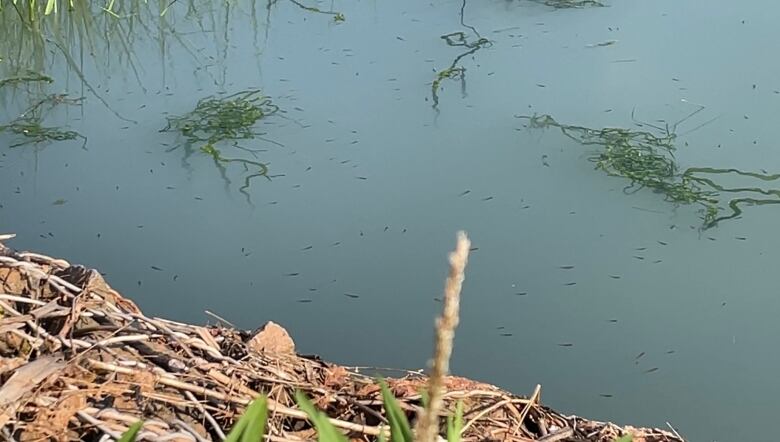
[(368, 196)]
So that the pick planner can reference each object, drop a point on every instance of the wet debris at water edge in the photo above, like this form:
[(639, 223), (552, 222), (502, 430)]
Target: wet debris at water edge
[(82, 362)]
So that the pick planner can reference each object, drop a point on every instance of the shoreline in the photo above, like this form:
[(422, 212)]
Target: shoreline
[(80, 361)]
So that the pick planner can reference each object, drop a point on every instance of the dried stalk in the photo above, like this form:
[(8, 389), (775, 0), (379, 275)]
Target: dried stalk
[(428, 424)]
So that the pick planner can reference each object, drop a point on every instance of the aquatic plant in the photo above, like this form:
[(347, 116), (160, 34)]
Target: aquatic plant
[(26, 77), (34, 132), (455, 71), (29, 124), (338, 17), (230, 118), (647, 161)]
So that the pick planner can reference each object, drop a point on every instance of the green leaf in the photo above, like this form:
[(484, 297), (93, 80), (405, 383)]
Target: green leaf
[(399, 424), (455, 424), (326, 431), (132, 432), (51, 6), (251, 426)]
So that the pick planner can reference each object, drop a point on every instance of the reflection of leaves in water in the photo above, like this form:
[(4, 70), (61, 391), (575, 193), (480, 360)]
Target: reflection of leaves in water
[(647, 160), (219, 119)]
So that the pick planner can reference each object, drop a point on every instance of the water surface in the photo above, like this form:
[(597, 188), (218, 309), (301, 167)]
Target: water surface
[(370, 187)]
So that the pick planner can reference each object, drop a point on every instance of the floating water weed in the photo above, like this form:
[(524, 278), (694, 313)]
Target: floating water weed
[(455, 71), (28, 77), (231, 118), (29, 124), (647, 160)]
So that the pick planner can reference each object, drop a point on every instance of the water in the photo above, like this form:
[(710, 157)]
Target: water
[(372, 177)]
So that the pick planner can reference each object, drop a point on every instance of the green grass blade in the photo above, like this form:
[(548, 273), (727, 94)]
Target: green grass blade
[(257, 416), (455, 424), (326, 431), (251, 422), (399, 424), (131, 433)]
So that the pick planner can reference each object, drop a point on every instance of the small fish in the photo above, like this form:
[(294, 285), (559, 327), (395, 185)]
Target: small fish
[(312, 289), (711, 238), (612, 320), (541, 85), (199, 198), (602, 44), (741, 238), (565, 344), (658, 261), (336, 243), (639, 257), (605, 395), (567, 267), (723, 304), (293, 274), (521, 293), (304, 301), (501, 327), (639, 356), (662, 243), (654, 369), (351, 295), (59, 202), (361, 177), (639, 249), (614, 276), (506, 334), (175, 277), (487, 198), (670, 352), (156, 268), (387, 228), (464, 193), (473, 249), (307, 248), (569, 284)]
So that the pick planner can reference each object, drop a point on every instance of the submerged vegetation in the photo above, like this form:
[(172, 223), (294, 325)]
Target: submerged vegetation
[(647, 161), (455, 71), (230, 118), (29, 125)]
